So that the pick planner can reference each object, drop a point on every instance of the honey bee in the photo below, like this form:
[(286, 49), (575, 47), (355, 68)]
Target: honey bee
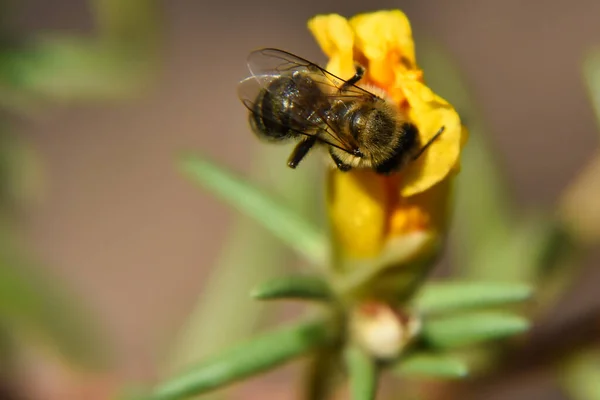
[(290, 98)]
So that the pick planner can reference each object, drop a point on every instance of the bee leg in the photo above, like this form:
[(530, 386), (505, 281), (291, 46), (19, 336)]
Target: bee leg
[(422, 150), (360, 72), (300, 151), (340, 164)]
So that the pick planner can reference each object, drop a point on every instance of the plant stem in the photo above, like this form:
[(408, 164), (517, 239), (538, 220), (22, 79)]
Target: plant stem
[(363, 374)]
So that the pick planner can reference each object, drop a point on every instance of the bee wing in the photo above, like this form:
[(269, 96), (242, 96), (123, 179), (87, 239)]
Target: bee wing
[(250, 88), (277, 62)]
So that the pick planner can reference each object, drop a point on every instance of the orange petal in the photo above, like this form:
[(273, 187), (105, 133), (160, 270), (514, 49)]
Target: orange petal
[(385, 39)]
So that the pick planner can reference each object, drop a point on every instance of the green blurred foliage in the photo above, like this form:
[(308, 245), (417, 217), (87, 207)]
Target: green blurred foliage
[(250, 254), (118, 62), (499, 250), (579, 206), (217, 319), (43, 69), (492, 238), (432, 365), (246, 359), (34, 306), (580, 375), (493, 241)]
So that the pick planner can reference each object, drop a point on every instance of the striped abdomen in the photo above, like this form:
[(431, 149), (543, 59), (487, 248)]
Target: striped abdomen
[(286, 107)]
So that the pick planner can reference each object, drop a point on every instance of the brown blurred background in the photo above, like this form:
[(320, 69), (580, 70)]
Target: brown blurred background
[(135, 239)]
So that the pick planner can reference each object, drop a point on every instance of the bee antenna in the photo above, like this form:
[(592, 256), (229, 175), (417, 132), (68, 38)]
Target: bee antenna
[(422, 150)]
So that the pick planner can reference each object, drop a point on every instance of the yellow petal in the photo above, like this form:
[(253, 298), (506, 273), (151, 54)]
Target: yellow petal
[(336, 38), (430, 112), (357, 203)]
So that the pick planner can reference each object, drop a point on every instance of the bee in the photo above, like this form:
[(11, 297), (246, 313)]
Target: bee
[(290, 98)]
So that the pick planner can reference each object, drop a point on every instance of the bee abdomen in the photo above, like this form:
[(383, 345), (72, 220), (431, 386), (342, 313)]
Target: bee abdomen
[(268, 120), (286, 107), (402, 150)]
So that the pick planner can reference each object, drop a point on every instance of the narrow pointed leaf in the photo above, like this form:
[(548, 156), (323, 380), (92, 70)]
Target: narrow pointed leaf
[(288, 226), (472, 328), (247, 257), (438, 366), (250, 358), (362, 374), (450, 296), (293, 287)]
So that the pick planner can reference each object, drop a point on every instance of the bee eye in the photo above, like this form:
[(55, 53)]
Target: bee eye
[(357, 153)]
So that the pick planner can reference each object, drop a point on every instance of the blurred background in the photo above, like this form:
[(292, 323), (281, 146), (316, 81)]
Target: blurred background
[(100, 98)]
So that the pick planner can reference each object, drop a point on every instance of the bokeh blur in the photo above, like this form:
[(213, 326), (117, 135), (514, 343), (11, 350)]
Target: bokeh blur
[(101, 97)]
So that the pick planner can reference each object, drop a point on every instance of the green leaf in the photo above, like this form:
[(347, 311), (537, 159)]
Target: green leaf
[(250, 358), (450, 296), (247, 257), (287, 225), (293, 287), (438, 366), (222, 314), (591, 75), (473, 328), (362, 374)]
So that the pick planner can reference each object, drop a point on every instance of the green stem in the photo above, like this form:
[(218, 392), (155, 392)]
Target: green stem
[(363, 374), (322, 372)]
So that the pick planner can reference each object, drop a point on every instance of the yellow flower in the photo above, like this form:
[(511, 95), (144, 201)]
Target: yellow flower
[(381, 221), (382, 42)]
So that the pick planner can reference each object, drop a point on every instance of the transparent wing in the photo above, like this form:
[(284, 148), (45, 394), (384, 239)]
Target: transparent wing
[(274, 62)]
